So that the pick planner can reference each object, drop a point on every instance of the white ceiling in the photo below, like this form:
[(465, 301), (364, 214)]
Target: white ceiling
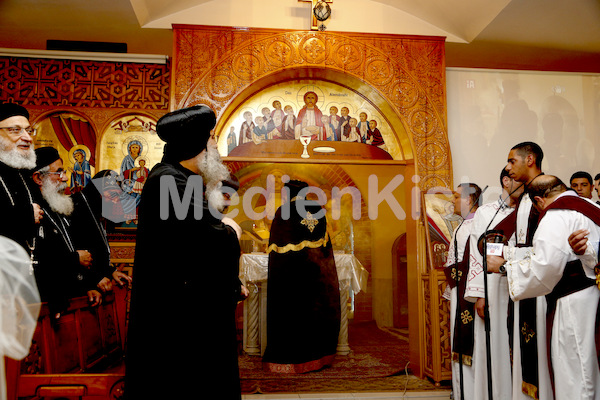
[(543, 25)]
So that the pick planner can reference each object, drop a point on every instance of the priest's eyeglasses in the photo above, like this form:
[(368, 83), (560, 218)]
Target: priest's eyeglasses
[(61, 172), (16, 130)]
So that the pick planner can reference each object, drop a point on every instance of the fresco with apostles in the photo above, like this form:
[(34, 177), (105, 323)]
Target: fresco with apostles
[(320, 111)]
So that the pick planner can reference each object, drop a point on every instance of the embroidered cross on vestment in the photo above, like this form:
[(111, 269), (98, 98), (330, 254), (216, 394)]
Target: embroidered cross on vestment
[(310, 222)]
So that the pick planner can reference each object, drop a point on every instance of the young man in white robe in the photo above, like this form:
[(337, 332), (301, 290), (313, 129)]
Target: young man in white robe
[(466, 201), (524, 166), (488, 216), (548, 269)]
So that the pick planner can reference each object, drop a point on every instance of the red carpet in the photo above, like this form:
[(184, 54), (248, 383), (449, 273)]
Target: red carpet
[(375, 354)]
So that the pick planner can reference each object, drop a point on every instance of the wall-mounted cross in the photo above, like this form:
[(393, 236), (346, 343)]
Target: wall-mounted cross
[(314, 25)]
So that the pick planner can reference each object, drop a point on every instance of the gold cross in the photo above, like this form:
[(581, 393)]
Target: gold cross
[(527, 332), (314, 22), (456, 272), (310, 222), (466, 317)]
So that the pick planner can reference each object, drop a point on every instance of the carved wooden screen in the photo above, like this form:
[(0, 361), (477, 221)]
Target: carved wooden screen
[(403, 76), (223, 66)]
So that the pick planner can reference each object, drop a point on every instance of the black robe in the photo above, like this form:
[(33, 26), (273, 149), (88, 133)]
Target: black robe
[(58, 273), (303, 299), (89, 233), (16, 212), (182, 340)]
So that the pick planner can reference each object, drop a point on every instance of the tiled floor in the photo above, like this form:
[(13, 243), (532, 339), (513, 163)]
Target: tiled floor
[(428, 395)]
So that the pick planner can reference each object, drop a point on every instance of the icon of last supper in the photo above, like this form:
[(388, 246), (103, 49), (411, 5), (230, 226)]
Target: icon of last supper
[(319, 112)]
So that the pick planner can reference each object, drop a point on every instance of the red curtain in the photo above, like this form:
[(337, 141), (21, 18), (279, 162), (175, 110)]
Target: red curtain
[(67, 129)]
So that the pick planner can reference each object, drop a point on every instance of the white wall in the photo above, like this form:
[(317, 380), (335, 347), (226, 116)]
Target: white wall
[(489, 111), (371, 16)]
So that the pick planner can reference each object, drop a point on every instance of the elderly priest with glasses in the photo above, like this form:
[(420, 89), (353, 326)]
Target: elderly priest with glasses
[(18, 211)]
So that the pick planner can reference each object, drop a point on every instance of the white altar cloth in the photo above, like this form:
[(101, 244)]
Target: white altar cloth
[(254, 271), (254, 268)]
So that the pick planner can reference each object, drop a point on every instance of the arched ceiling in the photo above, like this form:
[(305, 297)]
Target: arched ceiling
[(458, 20), (573, 24), (541, 30)]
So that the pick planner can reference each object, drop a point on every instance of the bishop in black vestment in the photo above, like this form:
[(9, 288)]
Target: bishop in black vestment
[(60, 265), (303, 299), (181, 342)]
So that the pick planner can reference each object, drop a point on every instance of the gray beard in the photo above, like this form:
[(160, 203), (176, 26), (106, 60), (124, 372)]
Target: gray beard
[(215, 198), (54, 195), (14, 158), (213, 172)]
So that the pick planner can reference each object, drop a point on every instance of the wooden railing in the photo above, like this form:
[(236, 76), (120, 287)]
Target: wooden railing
[(80, 354)]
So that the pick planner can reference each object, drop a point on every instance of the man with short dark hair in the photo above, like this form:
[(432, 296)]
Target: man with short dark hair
[(553, 270), (467, 190), (18, 211), (492, 216), (531, 376), (582, 183), (462, 313)]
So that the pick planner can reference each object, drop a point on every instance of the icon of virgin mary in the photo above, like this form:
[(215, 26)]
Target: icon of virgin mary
[(128, 176)]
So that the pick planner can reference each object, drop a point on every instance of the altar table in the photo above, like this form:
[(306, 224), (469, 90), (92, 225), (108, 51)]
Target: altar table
[(352, 276)]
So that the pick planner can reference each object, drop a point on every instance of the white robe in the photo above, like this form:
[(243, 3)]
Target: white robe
[(511, 252), (19, 305), (573, 348), (468, 372), (498, 309)]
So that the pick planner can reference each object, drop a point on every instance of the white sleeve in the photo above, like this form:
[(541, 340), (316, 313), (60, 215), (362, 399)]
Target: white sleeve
[(475, 285), (449, 262), (19, 304), (589, 259), (533, 272)]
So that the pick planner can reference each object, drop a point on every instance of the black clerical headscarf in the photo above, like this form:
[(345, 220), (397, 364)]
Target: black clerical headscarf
[(8, 110), (186, 131)]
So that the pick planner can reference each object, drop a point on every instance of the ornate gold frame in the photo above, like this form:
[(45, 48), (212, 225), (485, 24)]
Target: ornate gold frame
[(403, 75)]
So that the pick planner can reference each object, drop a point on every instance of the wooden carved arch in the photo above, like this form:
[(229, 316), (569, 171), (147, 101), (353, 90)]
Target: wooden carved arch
[(404, 76)]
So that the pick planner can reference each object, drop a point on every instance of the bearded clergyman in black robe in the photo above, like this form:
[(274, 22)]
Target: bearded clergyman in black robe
[(19, 215), (181, 342), (303, 299)]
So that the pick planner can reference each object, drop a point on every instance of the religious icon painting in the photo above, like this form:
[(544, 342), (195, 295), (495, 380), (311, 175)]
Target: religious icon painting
[(438, 211), (309, 119), (130, 147), (75, 139), (81, 172)]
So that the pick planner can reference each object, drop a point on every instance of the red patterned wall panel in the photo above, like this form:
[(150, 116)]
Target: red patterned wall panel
[(73, 83)]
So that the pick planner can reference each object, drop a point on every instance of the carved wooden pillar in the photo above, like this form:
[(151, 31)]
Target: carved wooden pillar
[(252, 321), (343, 347)]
